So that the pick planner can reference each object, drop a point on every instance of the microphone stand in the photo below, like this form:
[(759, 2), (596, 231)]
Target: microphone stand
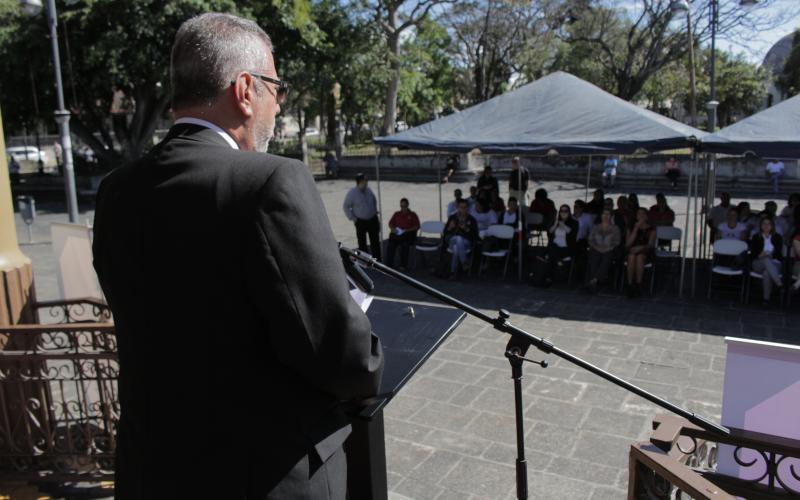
[(516, 348)]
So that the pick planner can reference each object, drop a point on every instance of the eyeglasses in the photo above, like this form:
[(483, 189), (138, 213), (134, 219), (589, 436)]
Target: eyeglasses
[(283, 87)]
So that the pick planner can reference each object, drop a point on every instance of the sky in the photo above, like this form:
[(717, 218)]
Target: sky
[(757, 48)]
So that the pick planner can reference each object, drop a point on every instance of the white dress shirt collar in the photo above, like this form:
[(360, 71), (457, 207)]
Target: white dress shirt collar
[(206, 124)]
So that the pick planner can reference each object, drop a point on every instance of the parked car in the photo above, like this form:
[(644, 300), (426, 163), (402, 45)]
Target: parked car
[(30, 153)]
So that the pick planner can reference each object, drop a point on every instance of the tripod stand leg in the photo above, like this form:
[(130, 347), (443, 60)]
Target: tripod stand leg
[(522, 463)]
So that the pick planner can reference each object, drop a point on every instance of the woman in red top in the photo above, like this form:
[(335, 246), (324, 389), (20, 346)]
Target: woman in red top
[(404, 225)]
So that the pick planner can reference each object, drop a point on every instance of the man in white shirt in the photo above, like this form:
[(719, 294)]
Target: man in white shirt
[(452, 207), (585, 221), (775, 169), (732, 229), (483, 216)]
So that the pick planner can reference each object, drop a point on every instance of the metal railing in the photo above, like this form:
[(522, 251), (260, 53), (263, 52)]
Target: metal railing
[(59, 404), (680, 461)]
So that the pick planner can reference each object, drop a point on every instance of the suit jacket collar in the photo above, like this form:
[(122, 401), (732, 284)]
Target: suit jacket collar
[(196, 133)]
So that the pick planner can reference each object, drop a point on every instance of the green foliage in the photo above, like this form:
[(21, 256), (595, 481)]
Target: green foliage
[(789, 80), (427, 76)]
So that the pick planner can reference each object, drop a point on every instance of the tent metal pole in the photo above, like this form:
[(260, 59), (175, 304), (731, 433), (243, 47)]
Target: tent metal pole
[(519, 218), (378, 181), (686, 223), (588, 178), (439, 182), (695, 237)]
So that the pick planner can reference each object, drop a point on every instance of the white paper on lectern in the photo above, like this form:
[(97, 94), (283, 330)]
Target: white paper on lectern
[(362, 299)]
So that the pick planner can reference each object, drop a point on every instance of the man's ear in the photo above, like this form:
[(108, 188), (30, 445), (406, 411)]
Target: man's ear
[(244, 93)]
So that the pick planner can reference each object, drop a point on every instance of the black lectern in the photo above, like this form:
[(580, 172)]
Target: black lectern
[(410, 333)]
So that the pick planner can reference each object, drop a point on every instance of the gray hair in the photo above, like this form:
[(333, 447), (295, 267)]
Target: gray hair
[(209, 50)]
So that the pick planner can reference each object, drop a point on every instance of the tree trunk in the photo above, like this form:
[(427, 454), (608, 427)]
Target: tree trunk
[(393, 41)]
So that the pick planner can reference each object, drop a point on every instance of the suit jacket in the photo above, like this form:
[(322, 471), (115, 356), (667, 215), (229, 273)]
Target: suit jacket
[(237, 336)]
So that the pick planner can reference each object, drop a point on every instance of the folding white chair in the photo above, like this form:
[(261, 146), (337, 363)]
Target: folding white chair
[(727, 248), (534, 221), (432, 242), (665, 235), (500, 232)]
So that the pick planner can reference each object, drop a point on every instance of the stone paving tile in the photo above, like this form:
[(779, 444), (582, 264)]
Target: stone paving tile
[(583, 470), (435, 467), (445, 416), (459, 372), (462, 443), (602, 493), (616, 422), (553, 388), (547, 486), (564, 414), (416, 488), (480, 477), (402, 456), (506, 454), (601, 448)]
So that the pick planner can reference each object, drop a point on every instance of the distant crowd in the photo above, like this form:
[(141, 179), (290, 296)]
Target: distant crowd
[(598, 235)]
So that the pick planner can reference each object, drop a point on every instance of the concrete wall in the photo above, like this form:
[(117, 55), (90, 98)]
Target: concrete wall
[(727, 168)]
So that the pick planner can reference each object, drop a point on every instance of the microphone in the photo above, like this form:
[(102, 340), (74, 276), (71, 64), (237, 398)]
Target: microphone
[(355, 272)]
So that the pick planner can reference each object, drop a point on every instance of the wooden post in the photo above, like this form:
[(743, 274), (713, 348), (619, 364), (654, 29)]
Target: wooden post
[(16, 273)]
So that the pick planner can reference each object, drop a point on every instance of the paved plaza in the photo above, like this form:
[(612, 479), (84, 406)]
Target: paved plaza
[(450, 433)]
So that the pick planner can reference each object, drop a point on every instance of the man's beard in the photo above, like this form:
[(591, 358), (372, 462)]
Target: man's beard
[(262, 138)]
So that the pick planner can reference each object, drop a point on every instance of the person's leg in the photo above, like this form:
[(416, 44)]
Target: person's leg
[(631, 267), (391, 249), (766, 282), (613, 178), (594, 265), (640, 261), (464, 253), (361, 235), (374, 229), (453, 246), (773, 270), (406, 241), (603, 265)]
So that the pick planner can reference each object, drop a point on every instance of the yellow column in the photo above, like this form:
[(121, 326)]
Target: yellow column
[(16, 273)]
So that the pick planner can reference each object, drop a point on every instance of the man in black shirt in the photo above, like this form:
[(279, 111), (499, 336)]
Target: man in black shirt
[(518, 181), (487, 185)]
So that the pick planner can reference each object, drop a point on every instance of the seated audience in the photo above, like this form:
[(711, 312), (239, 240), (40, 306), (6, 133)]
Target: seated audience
[(541, 204), (460, 236), (748, 218), (672, 171), (604, 239), (483, 216), (511, 214), (660, 213), (452, 207), (595, 207), (718, 214), (780, 223), (765, 254), (788, 210), (732, 229), (404, 225), (640, 242), (561, 244), (623, 212), (473, 196), (498, 206), (585, 223)]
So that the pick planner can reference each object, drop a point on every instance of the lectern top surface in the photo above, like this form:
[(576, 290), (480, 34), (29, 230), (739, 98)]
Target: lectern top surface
[(408, 340)]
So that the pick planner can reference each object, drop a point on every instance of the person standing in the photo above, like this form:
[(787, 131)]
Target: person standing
[(610, 171), (361, 207), (487, 185), (518, 182), (403, 227), (775, 171), (238, 338), (672, 171)]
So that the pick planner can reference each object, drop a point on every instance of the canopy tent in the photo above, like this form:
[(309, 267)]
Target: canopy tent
[(559, 112), (772, 133)]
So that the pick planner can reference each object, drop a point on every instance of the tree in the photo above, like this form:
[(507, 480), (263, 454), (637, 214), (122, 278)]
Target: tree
[(395, 17), (427, 78), (637, 42), (789, 80), (741, 90), (492, 38)]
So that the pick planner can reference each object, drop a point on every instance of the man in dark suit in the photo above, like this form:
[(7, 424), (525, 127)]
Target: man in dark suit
[(238, 340)]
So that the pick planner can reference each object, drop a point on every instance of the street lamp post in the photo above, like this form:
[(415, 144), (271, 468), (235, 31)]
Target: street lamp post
[(62, 115)]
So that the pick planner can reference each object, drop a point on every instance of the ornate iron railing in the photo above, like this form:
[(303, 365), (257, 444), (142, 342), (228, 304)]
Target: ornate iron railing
[(680, 461), (81, 310), (59, 404)]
